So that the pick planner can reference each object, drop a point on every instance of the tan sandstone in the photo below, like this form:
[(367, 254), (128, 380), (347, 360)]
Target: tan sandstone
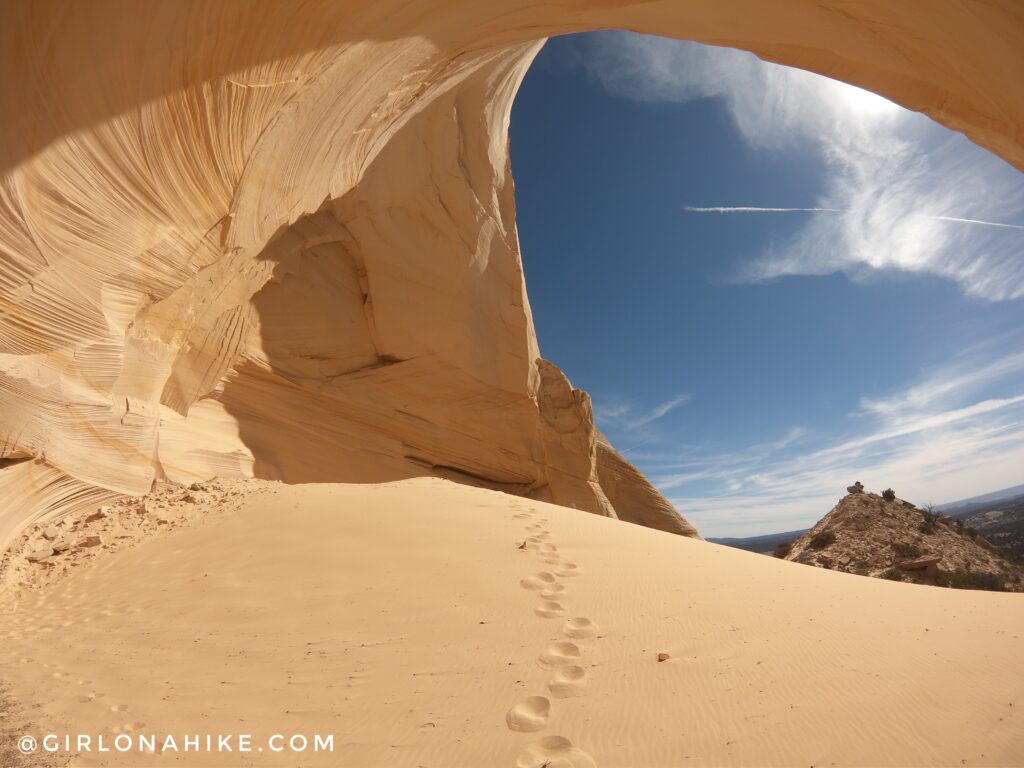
[(264, 239)]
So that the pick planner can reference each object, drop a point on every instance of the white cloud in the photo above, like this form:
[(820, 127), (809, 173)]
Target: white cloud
[(942, 385), (943, 438), (907, 194), (626, 418), (900, 193)]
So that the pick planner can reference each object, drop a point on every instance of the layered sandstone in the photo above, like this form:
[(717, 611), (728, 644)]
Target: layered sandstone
[(258, 239)]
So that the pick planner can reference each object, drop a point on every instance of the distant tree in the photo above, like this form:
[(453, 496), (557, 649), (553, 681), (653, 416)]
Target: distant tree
[(889, 494), (783, 549), (929, 518)]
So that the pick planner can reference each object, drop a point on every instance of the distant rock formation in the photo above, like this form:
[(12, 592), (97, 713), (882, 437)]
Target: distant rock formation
[(868, 535), (276, 240)]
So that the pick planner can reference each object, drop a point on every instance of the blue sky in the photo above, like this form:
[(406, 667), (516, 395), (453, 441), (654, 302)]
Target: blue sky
[(755, 362)]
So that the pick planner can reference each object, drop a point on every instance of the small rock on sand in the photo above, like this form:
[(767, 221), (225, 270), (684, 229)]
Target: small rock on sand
[(51, 533), (90, 541), (40, 554), (61, 545), (663, 657)]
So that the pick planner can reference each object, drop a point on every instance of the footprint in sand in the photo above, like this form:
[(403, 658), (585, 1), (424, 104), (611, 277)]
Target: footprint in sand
[(554, 751), (530, 714), (549, 609), (522, 516), (580, 627), (567, 681), (535, 539), (551, 560), (539, 580), (553, 592), (568, 569), (559, 654), (548, 548)]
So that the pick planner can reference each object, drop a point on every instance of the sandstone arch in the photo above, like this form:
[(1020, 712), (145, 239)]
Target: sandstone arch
[(180, 179)]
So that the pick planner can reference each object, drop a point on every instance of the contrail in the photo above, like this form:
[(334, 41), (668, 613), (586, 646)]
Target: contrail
[(748, 209), (753, 209), (971, 221)]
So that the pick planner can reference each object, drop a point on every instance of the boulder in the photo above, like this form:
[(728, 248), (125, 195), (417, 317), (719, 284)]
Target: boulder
[(39, 555), (921, 563), (855, 488)]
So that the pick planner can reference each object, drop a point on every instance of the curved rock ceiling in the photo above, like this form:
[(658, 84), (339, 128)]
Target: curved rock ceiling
[(278, 239)]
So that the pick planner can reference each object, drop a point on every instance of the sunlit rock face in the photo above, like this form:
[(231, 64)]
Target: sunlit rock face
[(258, 238)]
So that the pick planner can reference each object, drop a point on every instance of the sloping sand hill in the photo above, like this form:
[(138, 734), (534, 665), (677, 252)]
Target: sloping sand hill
[(424, 623)]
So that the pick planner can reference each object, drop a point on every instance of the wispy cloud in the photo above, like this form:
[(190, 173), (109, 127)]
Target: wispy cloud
[(629, 420), (750, 209), (905, 193), (957, 431), (754, 209)]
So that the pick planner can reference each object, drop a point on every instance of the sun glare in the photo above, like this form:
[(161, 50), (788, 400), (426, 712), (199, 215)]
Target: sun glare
[(865, 102)]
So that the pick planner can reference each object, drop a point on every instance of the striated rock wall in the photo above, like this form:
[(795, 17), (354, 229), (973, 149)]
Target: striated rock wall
[(256, 238)]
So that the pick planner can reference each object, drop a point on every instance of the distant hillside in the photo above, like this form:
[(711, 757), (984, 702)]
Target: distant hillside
[(997, 516), (763, 545), (868, 535), (985, 501), (1002, 523)]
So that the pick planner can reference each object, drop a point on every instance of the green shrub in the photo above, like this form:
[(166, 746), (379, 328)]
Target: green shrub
[(889, 494), (971, 580), (908, 551), (822, 539), (783, 549), (893, 574), (928, 521)]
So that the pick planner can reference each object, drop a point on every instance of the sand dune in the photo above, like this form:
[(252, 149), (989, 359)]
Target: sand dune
[(424, 623)]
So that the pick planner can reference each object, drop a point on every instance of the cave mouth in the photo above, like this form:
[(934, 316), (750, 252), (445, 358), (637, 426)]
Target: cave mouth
[(144, 336), (758, 273)]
